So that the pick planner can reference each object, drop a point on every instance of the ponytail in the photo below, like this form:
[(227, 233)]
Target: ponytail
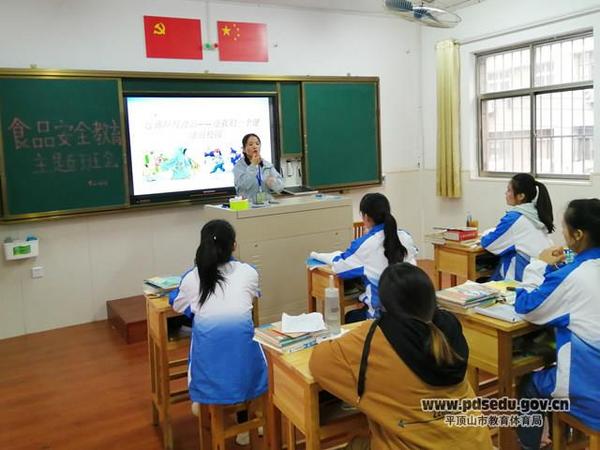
[(393, 249), (217, 240), (442, 352), (377, 207), (544, 206), (535, 192)]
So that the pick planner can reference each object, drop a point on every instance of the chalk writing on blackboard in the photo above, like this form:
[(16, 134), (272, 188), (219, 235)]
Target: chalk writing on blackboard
[(61, 162), (52, 134)]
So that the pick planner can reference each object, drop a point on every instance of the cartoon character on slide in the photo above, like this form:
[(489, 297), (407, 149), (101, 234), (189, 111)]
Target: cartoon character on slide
[(234, 155), (217, 160), (179, 164)]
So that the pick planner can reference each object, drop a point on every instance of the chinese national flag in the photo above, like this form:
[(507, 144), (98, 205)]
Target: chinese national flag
[(242, 41), (171, 37)]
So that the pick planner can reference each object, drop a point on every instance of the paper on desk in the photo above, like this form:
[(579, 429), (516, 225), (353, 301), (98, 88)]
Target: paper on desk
[(327, 258), (304, 323)]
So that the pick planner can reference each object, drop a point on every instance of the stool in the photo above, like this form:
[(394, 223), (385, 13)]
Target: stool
[(214, 430), (581, 433)]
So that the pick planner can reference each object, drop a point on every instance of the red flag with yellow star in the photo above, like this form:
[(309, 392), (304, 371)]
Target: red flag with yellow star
[(243, 41), (172, 37)]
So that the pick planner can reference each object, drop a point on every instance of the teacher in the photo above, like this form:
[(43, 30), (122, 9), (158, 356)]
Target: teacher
[(255, 178)]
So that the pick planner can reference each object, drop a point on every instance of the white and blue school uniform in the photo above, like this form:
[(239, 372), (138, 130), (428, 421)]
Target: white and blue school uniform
[(226, 366), (518, 237), (365, 259), (569, 300)]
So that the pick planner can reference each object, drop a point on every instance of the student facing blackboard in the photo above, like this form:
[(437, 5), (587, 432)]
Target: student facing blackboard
[(522, 232)]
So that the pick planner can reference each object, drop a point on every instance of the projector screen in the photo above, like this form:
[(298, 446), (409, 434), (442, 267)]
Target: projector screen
[(181, 147)]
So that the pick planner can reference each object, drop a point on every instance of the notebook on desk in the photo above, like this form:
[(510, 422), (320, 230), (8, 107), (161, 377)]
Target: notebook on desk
[(299, 190)]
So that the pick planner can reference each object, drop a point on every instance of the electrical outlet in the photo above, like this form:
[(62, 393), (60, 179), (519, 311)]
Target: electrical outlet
[(37, 272)]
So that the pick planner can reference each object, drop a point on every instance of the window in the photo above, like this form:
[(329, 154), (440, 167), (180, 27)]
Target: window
[(536, 108)]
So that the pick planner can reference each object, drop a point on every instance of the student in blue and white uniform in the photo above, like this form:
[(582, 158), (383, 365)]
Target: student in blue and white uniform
[(568, 299), (523, 231), (252, 174), (226, 366), (369, 255)]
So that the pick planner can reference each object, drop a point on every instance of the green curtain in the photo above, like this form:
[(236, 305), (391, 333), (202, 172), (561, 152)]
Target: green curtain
[(448, 123)]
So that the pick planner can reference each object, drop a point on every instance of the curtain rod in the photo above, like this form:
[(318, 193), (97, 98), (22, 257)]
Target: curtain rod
[(536, 24)]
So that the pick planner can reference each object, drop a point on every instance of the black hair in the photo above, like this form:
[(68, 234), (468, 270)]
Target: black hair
[(524, 183), (406, 290), (248, 136), (377, 207), (244, 142), (584, 214), (217, 240)]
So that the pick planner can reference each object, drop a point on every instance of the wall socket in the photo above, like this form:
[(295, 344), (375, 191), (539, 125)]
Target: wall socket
[(37, 272)]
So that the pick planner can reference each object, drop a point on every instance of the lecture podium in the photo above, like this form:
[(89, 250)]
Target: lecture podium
[(277, 240)]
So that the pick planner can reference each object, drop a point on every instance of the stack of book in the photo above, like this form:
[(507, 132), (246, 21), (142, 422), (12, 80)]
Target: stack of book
[(159, 286), (271, 336), (462, 298), (441, 235), (460, 234)]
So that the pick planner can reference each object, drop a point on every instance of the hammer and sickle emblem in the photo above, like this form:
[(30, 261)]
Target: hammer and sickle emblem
[(159, 29)]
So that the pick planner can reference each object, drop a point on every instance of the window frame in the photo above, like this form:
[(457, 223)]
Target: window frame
[(532, 92)]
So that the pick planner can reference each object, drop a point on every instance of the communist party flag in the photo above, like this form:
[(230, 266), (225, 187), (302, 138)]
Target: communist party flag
[(243, 41), (171, 37)]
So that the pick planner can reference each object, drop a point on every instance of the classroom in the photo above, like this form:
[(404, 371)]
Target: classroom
[(364, 101)]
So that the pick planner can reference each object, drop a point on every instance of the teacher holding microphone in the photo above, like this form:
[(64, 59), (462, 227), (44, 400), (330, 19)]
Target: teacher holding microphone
[(255, 178)]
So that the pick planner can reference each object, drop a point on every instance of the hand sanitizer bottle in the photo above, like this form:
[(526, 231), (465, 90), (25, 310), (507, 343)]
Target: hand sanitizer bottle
[(332, 308)]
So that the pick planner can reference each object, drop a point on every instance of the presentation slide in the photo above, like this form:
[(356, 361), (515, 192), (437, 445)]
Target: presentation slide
[(182, 144)]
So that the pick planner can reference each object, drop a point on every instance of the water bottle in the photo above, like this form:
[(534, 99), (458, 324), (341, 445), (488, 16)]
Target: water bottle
[(332, 307)]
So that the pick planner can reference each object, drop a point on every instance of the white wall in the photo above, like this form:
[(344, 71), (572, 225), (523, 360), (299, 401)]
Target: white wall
[(90, 260), (484, 198)]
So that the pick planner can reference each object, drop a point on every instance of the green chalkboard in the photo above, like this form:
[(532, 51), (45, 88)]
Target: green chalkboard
[(290, 122), (61, 141), (341, 133)]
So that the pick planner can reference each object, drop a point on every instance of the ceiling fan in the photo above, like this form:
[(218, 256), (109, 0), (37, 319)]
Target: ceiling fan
[(425, 15)]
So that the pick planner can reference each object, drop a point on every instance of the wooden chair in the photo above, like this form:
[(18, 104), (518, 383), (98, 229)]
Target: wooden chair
[(358, 229), (217, 424), (582, 437)]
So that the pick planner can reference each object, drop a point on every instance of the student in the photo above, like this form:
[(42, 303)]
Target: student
[(255, 178), (523, 231), (568, 299), (370, 254), (226, 366), (385, 367)]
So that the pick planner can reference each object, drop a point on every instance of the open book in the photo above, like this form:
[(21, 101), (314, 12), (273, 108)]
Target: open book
[(500, 311)]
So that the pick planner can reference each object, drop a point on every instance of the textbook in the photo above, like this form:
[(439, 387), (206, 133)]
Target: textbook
[(273, 337), (500, 311), (158, 286), (460, 234), (462, 298)]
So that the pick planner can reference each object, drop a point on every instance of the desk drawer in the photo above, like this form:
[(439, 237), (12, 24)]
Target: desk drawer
[(453, 263), (289, 395), (483, 347)]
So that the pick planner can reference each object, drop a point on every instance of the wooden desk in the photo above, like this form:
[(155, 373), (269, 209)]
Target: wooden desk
[(317, 280), (165, 368), (491, 349), (294, 393), (457, 260)]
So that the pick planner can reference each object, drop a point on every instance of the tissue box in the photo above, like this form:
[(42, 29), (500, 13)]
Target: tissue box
[(21, 249), (239, 205)]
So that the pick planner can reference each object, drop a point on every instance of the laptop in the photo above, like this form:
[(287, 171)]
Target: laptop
[(299, 190)]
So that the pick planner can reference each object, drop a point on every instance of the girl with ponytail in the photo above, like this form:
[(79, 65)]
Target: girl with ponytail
[(226, 365), (368, 256), (523, 231), (386, 367)]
